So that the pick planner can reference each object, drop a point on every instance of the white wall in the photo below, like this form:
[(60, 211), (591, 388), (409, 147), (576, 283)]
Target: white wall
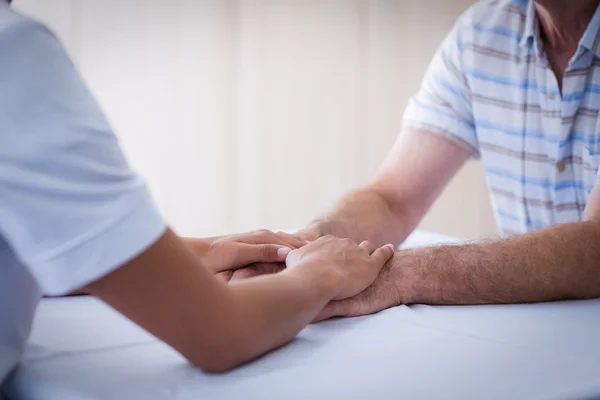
[(259, 113)]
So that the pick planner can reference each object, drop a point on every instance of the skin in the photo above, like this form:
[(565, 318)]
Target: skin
[(561, 262), (169, 291), (556, 263), (221, 255), (562, 24)]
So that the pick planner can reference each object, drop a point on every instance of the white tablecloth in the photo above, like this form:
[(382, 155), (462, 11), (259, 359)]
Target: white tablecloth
[(81, 349)]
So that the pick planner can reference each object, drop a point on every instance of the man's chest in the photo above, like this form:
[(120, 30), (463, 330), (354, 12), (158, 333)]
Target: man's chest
[(540, 147)]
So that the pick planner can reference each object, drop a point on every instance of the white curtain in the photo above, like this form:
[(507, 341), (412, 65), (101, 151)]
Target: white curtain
[(259, 113)]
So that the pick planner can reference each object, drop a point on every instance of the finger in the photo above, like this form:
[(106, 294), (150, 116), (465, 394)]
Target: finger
[(265, 236), (224, 276), (382, 254), (253, 253), (256, 270), (244, 273), (368, 246), (293, 240), (285, 239), (336, 308), (353, 307)]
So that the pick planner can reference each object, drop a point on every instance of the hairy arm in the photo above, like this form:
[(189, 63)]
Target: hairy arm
[(391, 205), (557, 263)]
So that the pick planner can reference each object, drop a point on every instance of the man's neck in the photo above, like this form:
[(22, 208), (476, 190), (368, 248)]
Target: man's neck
[(563, 22)]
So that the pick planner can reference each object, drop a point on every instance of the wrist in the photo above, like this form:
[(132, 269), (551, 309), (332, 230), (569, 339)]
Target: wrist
[(320, 276), (311, 233), (199, 245), (405, 269)]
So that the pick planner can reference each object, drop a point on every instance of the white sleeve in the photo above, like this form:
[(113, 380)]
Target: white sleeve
[(71, 208)]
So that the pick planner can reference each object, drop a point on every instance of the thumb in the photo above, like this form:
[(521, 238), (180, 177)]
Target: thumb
[(253, 253), (335, 308), (382, 254)]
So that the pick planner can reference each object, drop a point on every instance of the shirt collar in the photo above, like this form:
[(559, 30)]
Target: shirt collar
[(531, 34), (591, 37)]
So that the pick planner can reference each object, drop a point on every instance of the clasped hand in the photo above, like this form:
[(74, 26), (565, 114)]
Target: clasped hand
[(263, 252)]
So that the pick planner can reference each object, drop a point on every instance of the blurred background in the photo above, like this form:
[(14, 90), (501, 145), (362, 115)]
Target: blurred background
[(247, 114)]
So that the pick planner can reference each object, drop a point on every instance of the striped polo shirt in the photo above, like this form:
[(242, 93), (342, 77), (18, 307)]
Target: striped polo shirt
[(491, 90)]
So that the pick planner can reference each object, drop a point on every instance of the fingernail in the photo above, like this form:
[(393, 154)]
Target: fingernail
[(391, 246), (282, 252)]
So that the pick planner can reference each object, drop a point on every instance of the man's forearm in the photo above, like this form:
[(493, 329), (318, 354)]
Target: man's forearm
[(387, 210), (562, 262), (363, 214)]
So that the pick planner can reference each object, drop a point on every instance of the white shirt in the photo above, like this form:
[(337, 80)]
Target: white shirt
[(71, 209)]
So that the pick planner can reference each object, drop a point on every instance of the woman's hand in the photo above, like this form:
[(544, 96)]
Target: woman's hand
[(358, 265), (227, 253)]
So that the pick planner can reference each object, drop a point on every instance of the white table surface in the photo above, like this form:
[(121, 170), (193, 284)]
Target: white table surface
[(81, 349)]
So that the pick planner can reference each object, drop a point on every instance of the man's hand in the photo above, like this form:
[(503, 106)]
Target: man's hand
[(227, 253), (382, 294)]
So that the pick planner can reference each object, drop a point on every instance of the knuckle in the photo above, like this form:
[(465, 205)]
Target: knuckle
[(325, 239), (259, 232)]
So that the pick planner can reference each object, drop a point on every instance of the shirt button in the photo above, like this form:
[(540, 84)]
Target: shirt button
[(561, 166), (550, 96)]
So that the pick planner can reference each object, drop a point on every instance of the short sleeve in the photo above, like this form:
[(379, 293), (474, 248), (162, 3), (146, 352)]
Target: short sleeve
[(443, 104), (71, 208)]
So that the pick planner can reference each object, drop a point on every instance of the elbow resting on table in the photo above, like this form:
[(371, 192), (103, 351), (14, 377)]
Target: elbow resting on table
[(219, 351), (214, 367), (214, 361)]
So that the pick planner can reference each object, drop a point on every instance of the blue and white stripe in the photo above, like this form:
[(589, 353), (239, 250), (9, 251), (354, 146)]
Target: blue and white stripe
[(491, 90)]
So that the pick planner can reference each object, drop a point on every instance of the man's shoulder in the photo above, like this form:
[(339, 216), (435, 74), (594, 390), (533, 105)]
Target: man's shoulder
[(487, 11), (492, 26), (495, 16)]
